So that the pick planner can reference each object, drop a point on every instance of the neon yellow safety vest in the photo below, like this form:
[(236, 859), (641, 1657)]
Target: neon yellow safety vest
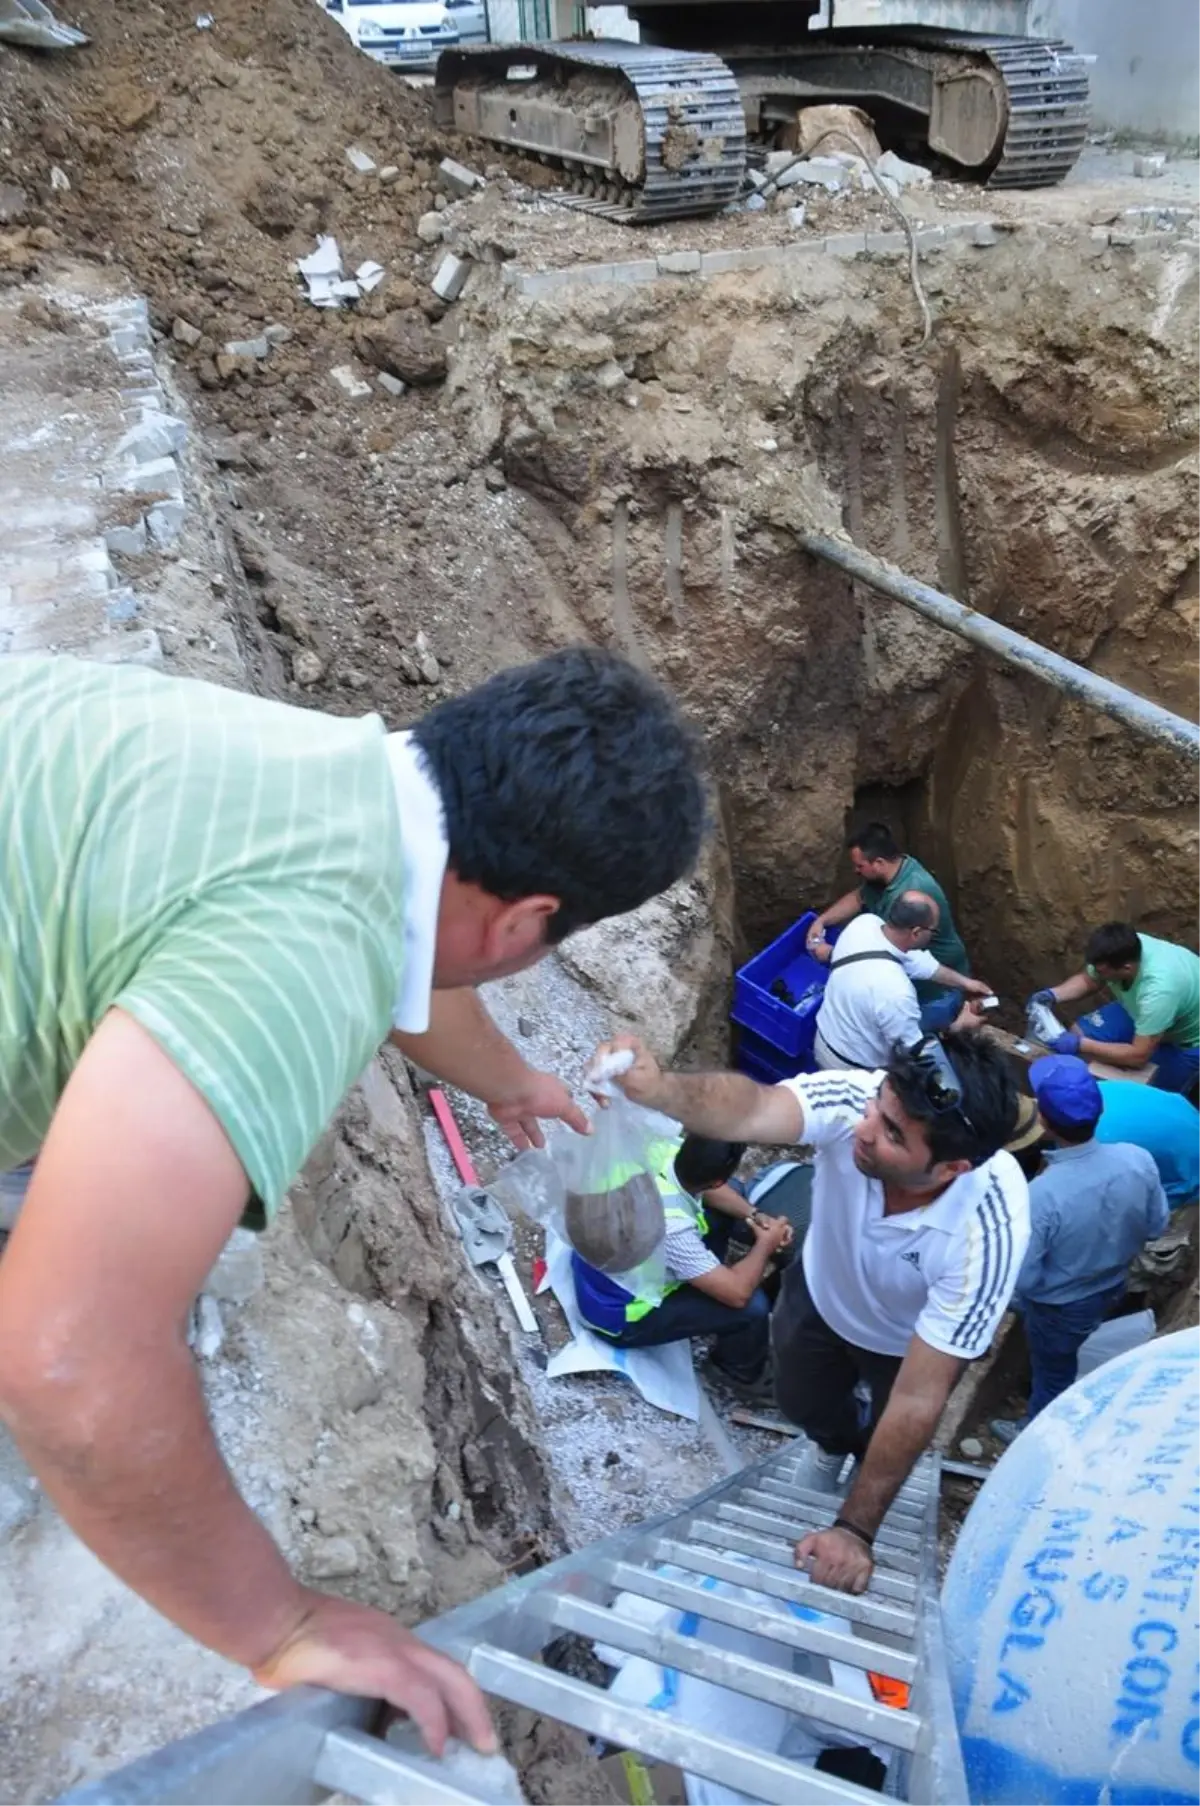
[(649, 1283)]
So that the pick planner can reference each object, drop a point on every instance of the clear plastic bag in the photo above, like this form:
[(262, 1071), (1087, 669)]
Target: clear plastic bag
[(613, 1212), (1043, 1025)]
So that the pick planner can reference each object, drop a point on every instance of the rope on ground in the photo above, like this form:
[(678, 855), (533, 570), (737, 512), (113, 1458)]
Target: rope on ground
[(914, 274)]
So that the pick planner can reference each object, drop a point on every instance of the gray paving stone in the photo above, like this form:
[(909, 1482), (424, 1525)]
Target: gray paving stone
[(679, 263)]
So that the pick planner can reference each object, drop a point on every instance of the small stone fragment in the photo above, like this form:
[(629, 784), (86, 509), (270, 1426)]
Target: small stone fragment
[(277, 335), (359, 160), (407, 667), (985, 234), (796, 216), (755, 203), (238, 1272), (307, 668), (451, 277), (332, 1557), (495, 479), (184, 333), (209, 1331), (389, 174), (256, 348), (905, 175), (60, 181), (351, 385), (392, 385), (430, 228), (457, 179), (971, 1447), (427, 665), (127, 541), (164, 523)]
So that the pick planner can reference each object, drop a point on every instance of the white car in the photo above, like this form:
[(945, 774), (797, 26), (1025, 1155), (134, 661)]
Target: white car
[(405, 34), (469, 18)]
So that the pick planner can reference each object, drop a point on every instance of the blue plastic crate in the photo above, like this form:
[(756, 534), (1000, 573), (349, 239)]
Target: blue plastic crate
[(789, 1031), (759, 1060)]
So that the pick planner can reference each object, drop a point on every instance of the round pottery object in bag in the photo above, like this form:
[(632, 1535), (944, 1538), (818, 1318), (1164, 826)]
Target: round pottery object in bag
[(616, 1230)]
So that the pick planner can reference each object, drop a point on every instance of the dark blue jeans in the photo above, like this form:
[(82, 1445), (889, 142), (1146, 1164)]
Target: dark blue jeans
[(1175, 1068), (743, 1335), (1056, 1333)]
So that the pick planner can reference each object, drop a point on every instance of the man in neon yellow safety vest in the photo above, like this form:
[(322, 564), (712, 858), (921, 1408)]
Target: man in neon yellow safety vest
[(688, 1290)]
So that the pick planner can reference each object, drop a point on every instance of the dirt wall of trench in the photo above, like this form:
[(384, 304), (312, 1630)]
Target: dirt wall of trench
[(1036, 460)]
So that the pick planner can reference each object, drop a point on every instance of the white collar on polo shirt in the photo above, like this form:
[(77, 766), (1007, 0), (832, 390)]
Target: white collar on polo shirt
[(426, 851)]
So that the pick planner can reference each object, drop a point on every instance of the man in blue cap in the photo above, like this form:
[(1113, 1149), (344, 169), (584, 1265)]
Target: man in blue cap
[(1092, 1208)]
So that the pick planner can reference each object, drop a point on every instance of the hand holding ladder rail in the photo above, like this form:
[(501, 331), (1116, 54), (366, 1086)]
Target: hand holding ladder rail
[(303, 1744)]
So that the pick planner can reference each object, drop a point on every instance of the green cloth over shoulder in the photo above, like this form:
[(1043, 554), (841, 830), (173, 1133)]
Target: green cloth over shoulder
[(225, 869)]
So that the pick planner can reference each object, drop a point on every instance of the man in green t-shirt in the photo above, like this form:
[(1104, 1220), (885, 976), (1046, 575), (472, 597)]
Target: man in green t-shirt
[(884, 874), (213, 910), (1155, 1012)]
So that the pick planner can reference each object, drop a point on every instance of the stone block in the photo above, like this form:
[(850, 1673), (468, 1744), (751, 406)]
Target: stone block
[(930, 238), (157, 477), (129, 541), (544, 282), (457, 179), (451, 277), (886, 244), (350, 384), (120, 606), (721, 263), (985, 234), (392, 385), (846, 244), (1148, 166), (590, 275), (164, 522), (238, 1273), (820, 172), (679, 263), (359, 160), (142, 647), (184, 333), (153, 436), (256, 348), (126, 340), (905, 175), (640, 269)]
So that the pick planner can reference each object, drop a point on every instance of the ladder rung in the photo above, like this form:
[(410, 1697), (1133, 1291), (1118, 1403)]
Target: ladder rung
[(698, 1752), (772, 1523), (743, 1674), (787, 1506), (378, 1773), (772, 1546), (781, 1582), (796, 1633), (900, 1508), (905, 1531)]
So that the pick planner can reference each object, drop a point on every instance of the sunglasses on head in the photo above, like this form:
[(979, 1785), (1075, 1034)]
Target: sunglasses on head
[(942, 1085)]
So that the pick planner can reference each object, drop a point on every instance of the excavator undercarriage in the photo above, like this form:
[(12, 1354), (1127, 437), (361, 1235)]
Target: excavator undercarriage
[(650, 132)]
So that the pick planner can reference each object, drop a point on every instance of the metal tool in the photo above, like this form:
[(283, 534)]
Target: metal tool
[(743, 1531), (483, 1222)]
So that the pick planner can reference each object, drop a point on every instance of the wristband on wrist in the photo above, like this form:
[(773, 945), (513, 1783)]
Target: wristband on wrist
[(864, 1537)]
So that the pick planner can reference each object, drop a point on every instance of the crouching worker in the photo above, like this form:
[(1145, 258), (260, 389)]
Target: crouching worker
[(688, 1290)]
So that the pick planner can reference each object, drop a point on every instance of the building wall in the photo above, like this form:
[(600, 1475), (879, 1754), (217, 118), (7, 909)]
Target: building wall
[(1147, 67)]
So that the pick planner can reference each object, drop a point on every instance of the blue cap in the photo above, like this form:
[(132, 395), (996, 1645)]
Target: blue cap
[(1067, 1094)]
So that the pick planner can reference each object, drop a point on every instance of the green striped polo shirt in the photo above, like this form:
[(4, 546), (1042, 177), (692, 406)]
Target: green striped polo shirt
[(225, 869)]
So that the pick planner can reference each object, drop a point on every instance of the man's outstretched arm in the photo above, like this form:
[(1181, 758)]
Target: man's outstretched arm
[(839, 1558), (463, 1046), (135, 1192), (727, 1105)]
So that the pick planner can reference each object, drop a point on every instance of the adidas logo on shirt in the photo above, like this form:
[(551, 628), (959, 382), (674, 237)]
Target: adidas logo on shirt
[(913, 1259)]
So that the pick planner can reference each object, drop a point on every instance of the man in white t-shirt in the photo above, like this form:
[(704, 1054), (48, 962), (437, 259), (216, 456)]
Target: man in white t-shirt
[(870, 1003), (920, 1220)]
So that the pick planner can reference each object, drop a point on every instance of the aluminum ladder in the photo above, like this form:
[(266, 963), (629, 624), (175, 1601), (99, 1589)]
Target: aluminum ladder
[(303, 1745)]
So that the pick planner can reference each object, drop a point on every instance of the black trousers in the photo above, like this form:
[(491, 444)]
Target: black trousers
[(816, 1371)]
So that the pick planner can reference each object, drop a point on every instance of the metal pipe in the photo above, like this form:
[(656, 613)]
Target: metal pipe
[(1144, 717)]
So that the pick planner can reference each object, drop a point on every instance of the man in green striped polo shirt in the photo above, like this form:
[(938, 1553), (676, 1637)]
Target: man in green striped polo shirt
[(213, 909)]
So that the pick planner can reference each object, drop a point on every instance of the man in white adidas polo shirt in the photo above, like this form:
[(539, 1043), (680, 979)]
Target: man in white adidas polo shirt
[(919, 1224)]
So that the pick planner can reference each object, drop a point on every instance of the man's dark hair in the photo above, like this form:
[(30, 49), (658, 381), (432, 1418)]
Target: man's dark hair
[(874, 840), (1115, 944), (702, 1163), (988, 1115), (1075, 1135), (912, 909), (575, 777)]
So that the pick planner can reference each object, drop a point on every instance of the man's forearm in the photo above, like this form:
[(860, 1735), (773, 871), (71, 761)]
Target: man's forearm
[(126, 1453), (464, 1047), (902, 1434), (728, 1106), (1075, 988), (1116, 1053), (844, 910)]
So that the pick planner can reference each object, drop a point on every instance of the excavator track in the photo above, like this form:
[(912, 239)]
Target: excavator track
[(1047, 86), (647, 133)]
